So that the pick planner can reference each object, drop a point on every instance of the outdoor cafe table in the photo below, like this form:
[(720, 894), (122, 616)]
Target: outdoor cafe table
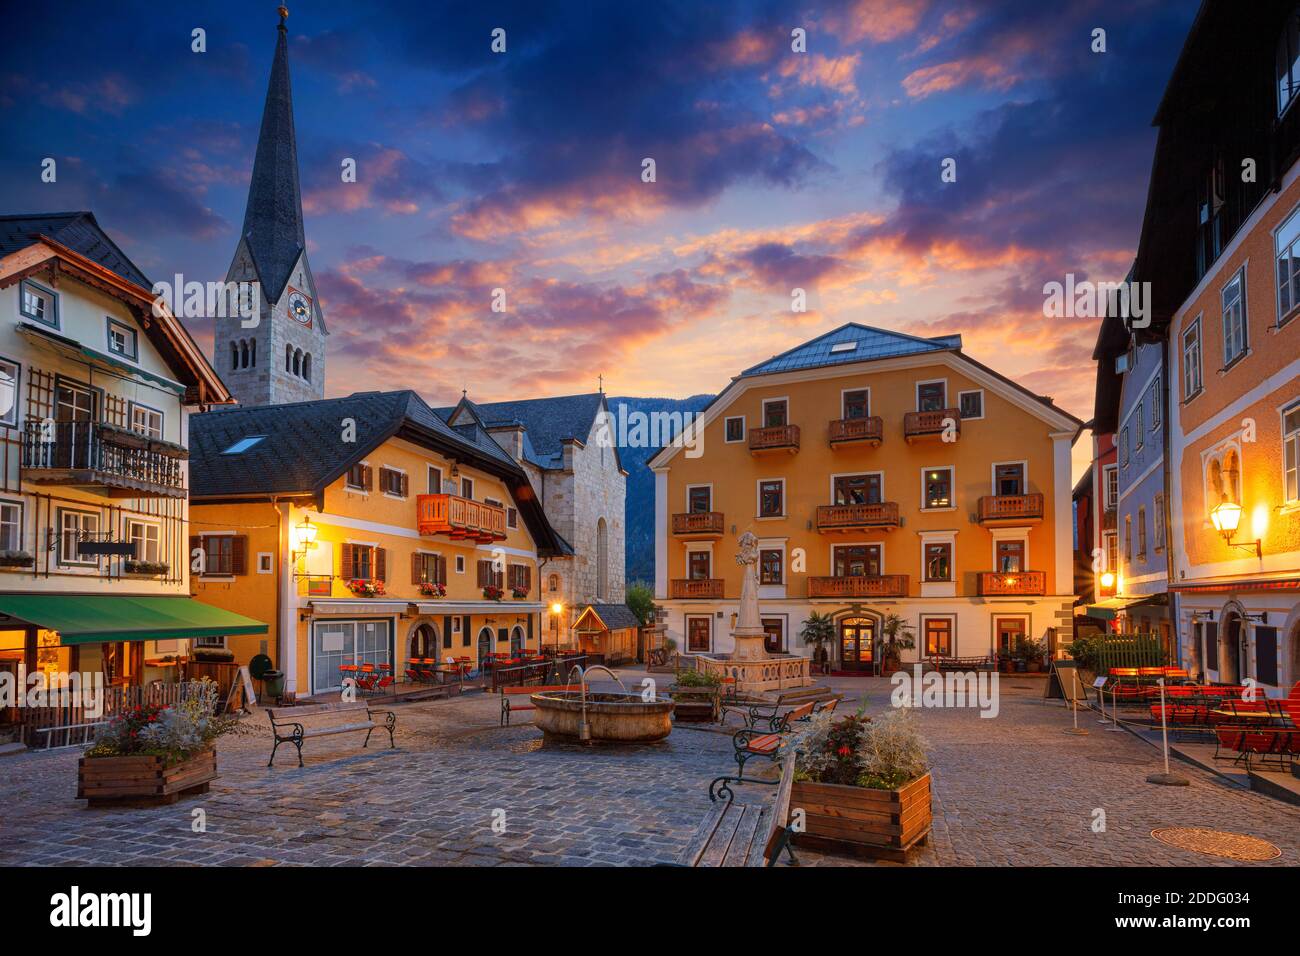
[(1254, 717)]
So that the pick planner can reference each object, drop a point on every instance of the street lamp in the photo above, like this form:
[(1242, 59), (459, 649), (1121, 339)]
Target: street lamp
[(1225, 517), (305, 534), (1108, 580)]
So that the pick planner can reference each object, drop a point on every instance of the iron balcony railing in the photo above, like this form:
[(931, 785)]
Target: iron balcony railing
[(95, 453)]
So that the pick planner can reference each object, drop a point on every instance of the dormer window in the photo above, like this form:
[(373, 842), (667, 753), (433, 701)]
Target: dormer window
[(122, 340), (39, 304)]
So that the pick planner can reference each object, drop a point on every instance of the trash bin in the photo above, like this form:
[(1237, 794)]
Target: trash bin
[(273, 683)]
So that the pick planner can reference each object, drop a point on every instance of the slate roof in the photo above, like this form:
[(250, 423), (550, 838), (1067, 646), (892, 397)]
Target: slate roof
[(615, 616), (273, 225), (547, 422), (78, 231), (868, 343)]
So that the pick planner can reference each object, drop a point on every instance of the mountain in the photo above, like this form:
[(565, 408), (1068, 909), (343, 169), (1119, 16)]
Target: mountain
[(634, 452)]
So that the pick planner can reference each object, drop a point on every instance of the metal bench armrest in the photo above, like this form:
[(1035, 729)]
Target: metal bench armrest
[(720, 787)]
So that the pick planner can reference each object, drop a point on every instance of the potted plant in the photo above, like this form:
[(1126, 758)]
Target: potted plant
[(154, 754), (364, 588), (145, 568), (16, 560), (1032, 651), (519, 593), (433, 589), (863, 784), (818, 630), (492, 593), (898, 637), (696, 695)]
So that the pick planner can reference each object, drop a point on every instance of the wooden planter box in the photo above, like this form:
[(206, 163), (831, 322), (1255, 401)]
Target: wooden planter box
[(882, 824), (136, 780)]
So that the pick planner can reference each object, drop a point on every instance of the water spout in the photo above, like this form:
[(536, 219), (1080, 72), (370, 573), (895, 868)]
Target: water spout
[(584, 729)]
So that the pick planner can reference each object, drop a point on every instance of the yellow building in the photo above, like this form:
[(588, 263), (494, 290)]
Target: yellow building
[(883, 474), (369, 531)]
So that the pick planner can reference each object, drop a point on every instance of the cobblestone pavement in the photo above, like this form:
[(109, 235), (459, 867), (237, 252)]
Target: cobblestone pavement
[(1011, 790)]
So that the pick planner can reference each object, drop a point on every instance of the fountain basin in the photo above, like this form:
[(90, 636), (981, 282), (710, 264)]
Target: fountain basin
[(617, 717)]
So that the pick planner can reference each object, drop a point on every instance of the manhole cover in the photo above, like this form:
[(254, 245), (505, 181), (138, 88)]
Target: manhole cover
[(1233, 846)]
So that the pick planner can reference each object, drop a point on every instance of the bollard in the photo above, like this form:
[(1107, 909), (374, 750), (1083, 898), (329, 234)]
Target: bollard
[(1076, 731), (1166, 779)]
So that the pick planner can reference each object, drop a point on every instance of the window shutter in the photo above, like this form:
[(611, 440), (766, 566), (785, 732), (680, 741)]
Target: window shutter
[(348, 562), (380, 561), (367, 478), (415, 567), (440, 569), (484, 573), (406, 485), (528, 577), (239, 554)]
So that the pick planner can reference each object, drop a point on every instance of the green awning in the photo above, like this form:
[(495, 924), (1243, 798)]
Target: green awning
[(91, 618)]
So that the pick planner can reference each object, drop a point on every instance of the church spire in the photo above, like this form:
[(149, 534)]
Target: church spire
[(273, 217)]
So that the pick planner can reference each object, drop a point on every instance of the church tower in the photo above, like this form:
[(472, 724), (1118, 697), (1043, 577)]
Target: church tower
[(282, 358)]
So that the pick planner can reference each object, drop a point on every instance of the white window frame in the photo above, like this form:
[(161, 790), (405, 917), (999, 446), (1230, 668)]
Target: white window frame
[(758, 500), (1024, 474), (467, 487), (10, 418), (385, 491), (1290, 442), (266, 558), (149, 410), (857, 388), (692, 487), (830, 499), (460, 564), (1193, 330), (916, 396), (129, 338), (785, 399), (1291, 284), (1139, 428), (1240, 327), (952, 487), (743, 431), (51, 300), (17, 524), (971, 391), (1110, 499), (1157, 413), (132, 522), (512, 519), (74, 562)]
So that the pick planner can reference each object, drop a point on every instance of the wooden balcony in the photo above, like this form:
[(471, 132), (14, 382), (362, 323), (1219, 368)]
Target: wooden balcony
[(102, 458), (696, 525), (918, 426), (1012, 583), (995, 510), (460, 518), (774, 438), (855, 431), (843, 518), (859, 586), (695, 588)]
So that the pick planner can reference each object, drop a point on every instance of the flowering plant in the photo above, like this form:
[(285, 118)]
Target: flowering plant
[(857, 751), (363, 588), (519, 593), (176, 732), (433, 589), (492, 592)]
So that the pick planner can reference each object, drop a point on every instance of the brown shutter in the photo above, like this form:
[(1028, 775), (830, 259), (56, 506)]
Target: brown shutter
[(380, 562), (484, 573), (239, 554), (415, 567), (367, 478), (406, 485), (347, 561), (440, 569), (528, 577)]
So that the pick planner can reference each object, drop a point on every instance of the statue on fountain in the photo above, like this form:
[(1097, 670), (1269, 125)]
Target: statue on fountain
[(748, 634)]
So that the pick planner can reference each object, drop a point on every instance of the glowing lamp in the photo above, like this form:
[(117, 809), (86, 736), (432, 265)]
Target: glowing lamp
[(557, 608), (1225, 517), (305, 533), (1108, 580)]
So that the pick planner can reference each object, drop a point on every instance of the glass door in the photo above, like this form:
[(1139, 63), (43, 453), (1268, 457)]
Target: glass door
[(336, 643), (857, 641)]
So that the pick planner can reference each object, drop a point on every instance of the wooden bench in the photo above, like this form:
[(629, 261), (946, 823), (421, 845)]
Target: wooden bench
[(349, 712), (508, 708), (752, 742), (775, 717), (743, 834), (945, 664)]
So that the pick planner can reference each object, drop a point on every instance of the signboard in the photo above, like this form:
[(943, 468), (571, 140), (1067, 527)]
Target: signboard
[(243, 682), (1063, 682), (1099, 683), (124, 549)]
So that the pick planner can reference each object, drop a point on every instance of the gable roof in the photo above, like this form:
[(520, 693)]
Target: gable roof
[(301, 452), (857, 343), (78, 231), (547, 422), (614, 617)]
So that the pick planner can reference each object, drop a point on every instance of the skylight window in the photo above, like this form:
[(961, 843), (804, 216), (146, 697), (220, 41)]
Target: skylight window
[(844, 347), (241, 446)]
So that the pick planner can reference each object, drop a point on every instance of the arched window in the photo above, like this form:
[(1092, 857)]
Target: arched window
[(234, 356), (424, 641), (553, 582), (243, 354), (517, 640), (252, 353), (288, 358), (1232, 475), (297, 362), (306, 366), (602, 560), (485, 640)]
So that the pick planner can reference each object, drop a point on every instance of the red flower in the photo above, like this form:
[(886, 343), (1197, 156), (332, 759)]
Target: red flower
[(845, 751)]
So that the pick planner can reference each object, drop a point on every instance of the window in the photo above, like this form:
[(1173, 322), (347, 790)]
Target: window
[(775, 413), (971, 404), (857, 403), (699, 499), (428, 568), (1111, 541), (512, 518), (11, 526), (288, 358), (1142, 533), (938, 561), (209, 642), (1009, 632), (1112, 485), (1138, 430), (359, 478), (460, 564), (146, 536), (699, 635), (1128, 538), (771, 563), (938, 636), (243, 445), (1009, 478), (520, 576), (1010, 556), (844, 347), (1287, 66), (223, 554), (931, 396), (1159, 522), (1288, 269), (122, 340), (146, 420), (306, 364), (435, 480), (75, 527), (39, 304), (1192, 361), (938, 488), (602, 560), (1156, 401), (553, 582), (9, 375), (393, 482), (735, 428), (856, 561), (771, 498), (698, 564), (467, 488), (488, 575), (1233, 299), (265, 562), (1291, 453), (364, 562), (857, 489), (1123, 446)]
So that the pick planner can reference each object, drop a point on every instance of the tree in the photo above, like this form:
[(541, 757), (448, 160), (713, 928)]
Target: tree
[(818, 630), (641, 601), (898, 637)]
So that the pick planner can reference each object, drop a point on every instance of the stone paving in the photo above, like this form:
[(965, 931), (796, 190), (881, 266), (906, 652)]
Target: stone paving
[(1014, 790)]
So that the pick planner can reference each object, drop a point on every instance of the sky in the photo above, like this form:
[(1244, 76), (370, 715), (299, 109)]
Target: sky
[(522, 170)]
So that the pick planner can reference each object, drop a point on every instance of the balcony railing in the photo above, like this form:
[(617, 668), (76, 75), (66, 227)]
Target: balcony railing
[(1013, 509), (123, 463), (846, 430), (695, 588), (859, 586), (883, 514), (460, 518), (703, 524), (931, 424), (774, 438), (1012, 583)]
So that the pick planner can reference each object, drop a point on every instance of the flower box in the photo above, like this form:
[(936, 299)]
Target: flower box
[(364, 588), (16, 561), (882, 824), (433, 589), (143, 778), (492, 593), (145, 569)]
